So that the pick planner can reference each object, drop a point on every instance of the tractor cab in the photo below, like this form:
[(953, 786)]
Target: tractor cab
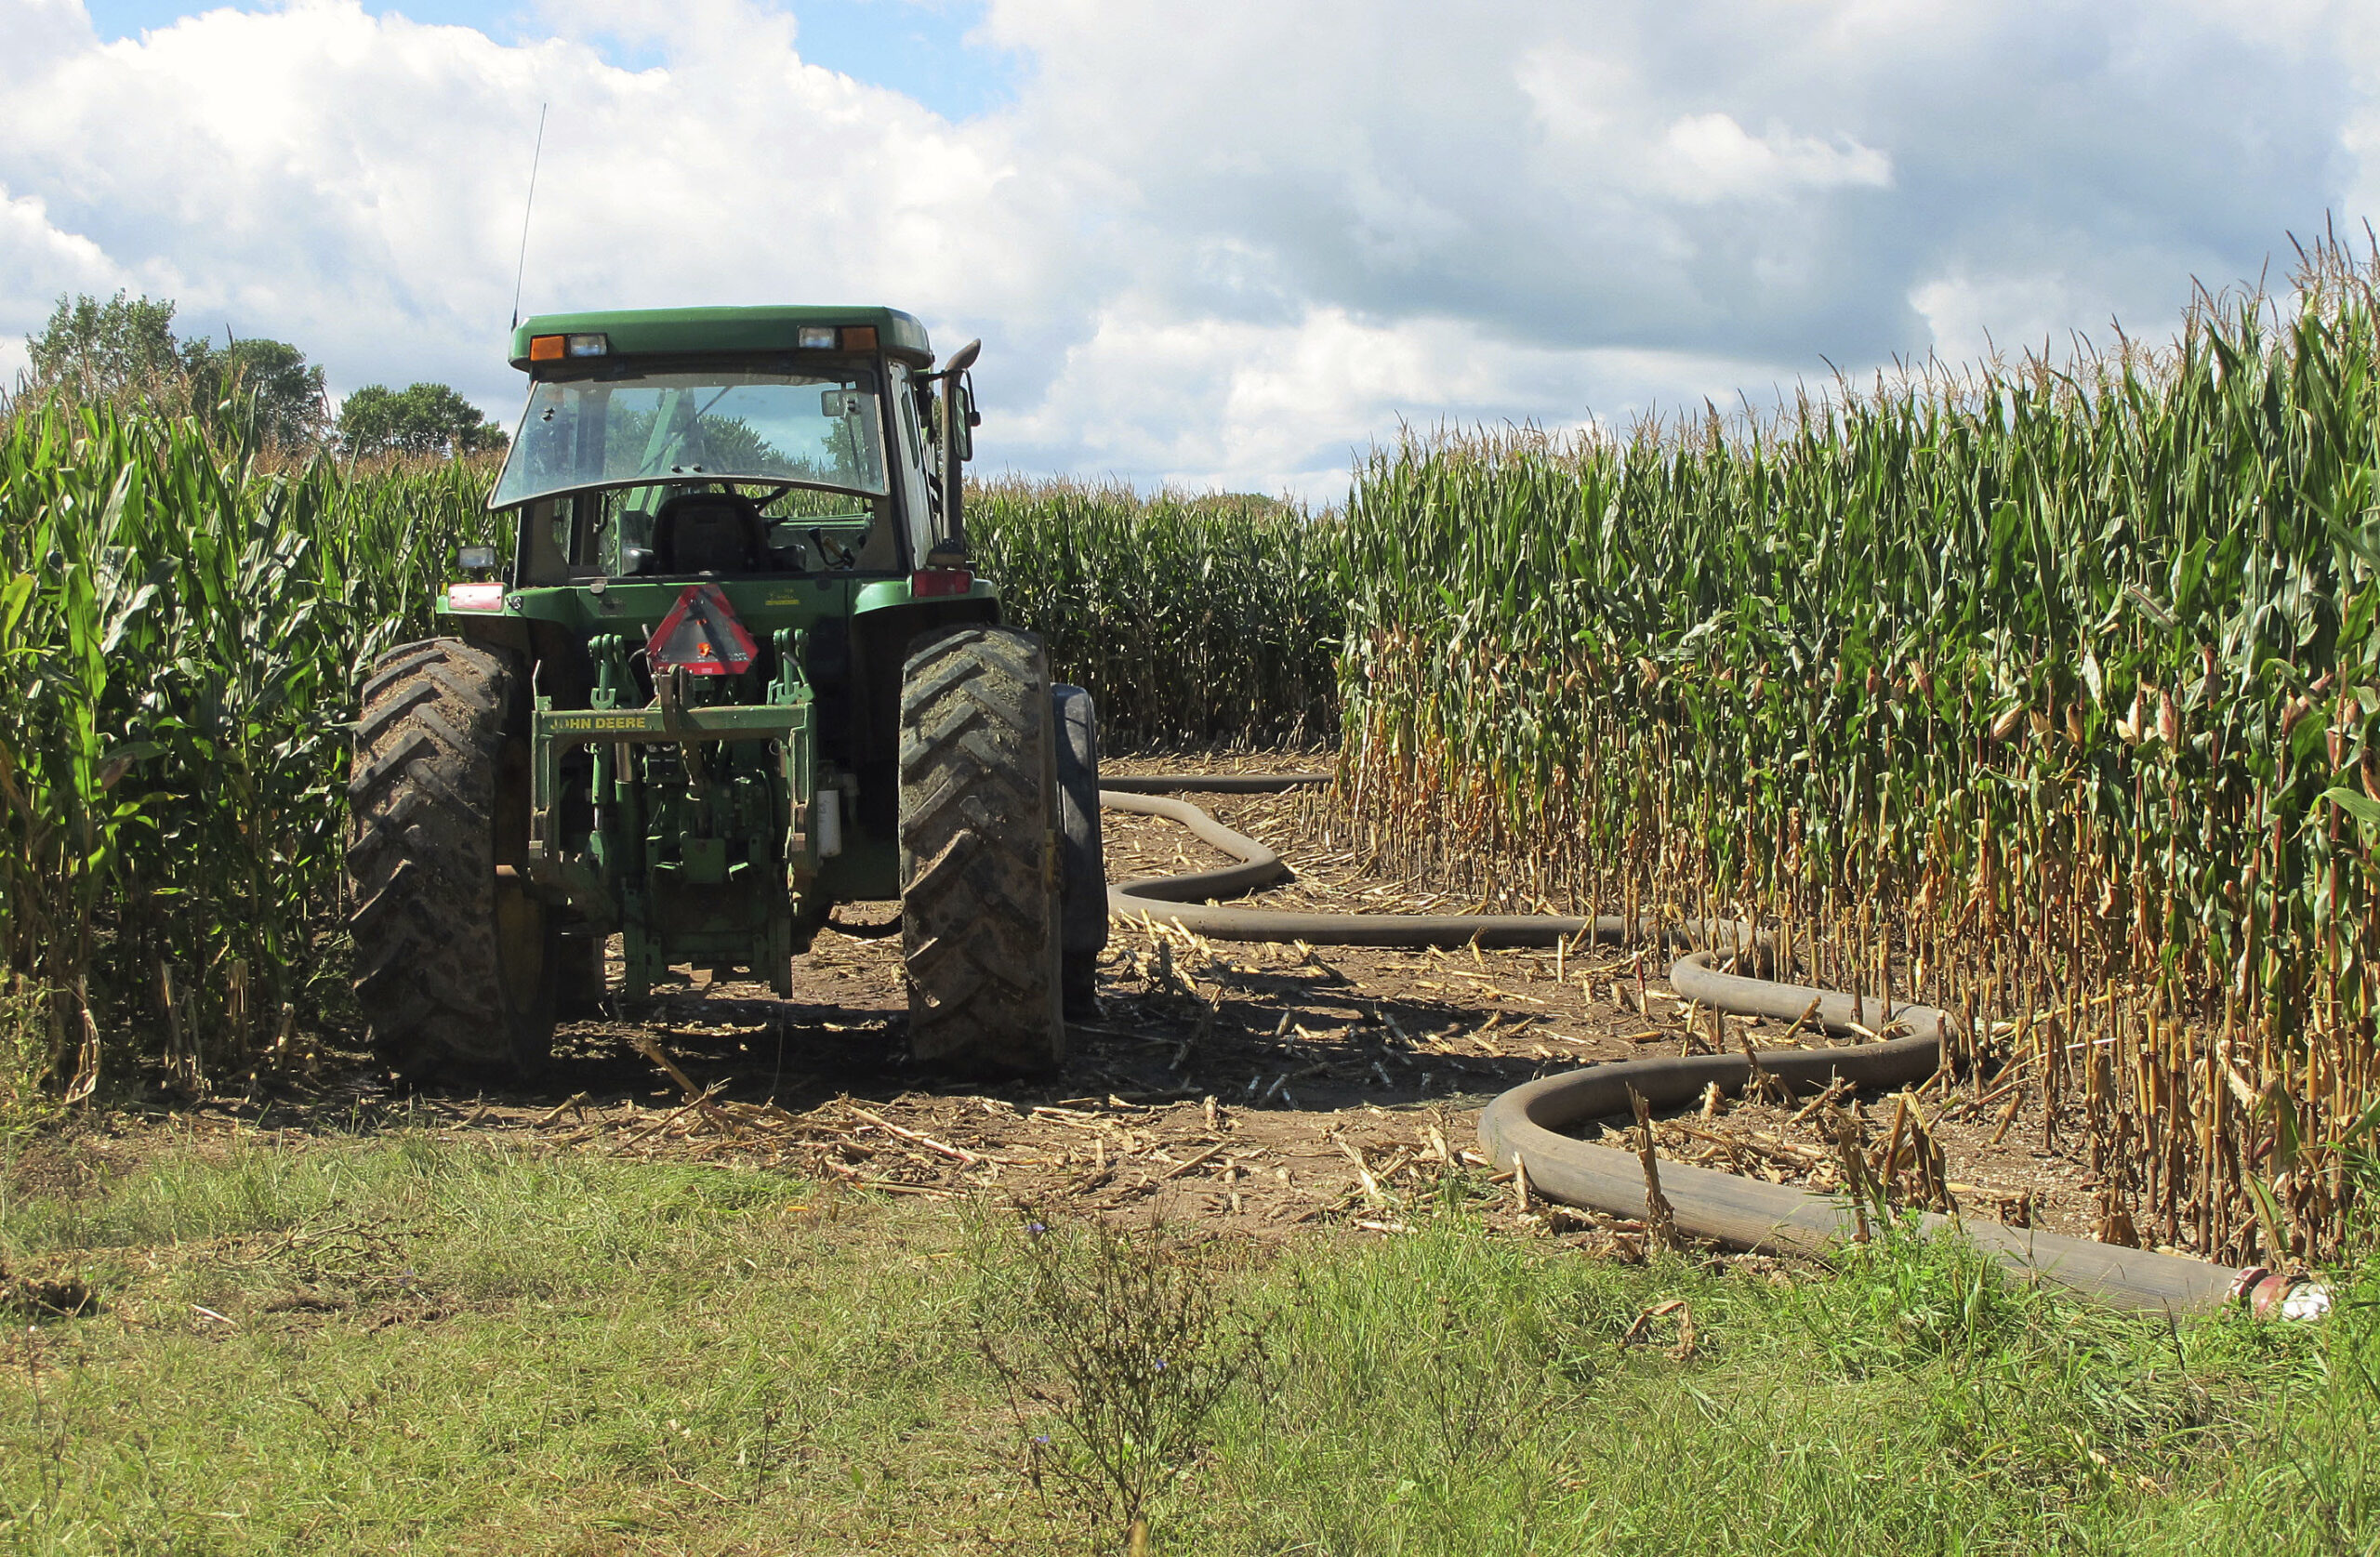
[(668, 463)]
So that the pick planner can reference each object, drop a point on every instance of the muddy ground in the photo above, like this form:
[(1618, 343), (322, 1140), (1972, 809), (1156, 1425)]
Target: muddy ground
[(1256, 1088)]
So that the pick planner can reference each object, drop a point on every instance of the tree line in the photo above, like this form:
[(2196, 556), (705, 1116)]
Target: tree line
[(125, 349)]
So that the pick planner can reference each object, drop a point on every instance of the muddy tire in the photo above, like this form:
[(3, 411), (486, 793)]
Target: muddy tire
[(1083, 919), (454, 970), (980, 868)]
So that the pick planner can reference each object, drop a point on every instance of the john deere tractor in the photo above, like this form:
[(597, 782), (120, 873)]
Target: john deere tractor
[(736, 672)]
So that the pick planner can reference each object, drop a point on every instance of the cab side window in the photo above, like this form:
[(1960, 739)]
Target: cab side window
[(545, 526)]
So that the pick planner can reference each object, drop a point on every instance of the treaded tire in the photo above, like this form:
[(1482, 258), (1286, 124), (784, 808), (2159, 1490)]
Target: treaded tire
[(1083, 932), (454, 972), (980, 871)]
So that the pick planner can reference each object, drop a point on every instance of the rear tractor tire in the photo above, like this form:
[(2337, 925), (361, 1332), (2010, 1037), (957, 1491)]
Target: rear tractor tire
[(981, 866), (455, 969)]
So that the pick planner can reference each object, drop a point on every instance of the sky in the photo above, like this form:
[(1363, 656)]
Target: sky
[(1206, 243)]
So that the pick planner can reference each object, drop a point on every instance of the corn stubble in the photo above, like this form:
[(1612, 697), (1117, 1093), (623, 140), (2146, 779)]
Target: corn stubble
[(2050, 694)]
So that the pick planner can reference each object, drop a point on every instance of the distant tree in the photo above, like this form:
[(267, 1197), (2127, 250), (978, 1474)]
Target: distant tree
[(121, 345), (367, 420), (287, 394), (421, 418), (125, 349)]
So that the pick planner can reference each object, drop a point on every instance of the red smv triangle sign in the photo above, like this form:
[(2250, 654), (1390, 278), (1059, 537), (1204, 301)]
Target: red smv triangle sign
[(701, 634)]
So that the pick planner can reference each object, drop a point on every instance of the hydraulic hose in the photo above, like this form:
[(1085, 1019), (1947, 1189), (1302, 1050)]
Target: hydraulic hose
[(1525, 1128), (1180, 900)]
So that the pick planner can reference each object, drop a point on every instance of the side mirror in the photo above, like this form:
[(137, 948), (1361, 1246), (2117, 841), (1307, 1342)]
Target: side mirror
[(957, 445), (475, 559), (956, 437), (968, 420)]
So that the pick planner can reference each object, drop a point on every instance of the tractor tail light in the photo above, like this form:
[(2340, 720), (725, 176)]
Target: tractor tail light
[(928, 583), (475, 596)]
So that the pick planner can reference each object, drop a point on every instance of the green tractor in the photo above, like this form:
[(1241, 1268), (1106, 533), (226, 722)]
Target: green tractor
[(737, 672)]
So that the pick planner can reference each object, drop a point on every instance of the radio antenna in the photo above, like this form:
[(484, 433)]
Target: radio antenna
[(528, 205)]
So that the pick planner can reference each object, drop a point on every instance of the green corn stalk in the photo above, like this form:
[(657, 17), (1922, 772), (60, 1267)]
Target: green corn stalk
[(184, 618), (182, 628), (2038, 674), (1194, 622)]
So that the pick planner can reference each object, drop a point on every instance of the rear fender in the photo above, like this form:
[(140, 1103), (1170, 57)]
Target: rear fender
[(886, 622), (555, 655)]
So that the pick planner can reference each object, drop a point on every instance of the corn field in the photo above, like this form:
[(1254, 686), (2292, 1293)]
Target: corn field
[(182, 627), (2047, 695), (1194, 622), (2050, 695)]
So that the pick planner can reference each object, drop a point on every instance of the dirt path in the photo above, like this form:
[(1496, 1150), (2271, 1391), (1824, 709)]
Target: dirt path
[(1262, 1088)]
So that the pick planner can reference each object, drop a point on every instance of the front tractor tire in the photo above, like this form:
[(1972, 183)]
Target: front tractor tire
[(456, 967), (981, 873)]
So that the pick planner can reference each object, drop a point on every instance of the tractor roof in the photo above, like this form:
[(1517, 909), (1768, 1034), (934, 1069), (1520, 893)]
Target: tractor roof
[(655, 332)]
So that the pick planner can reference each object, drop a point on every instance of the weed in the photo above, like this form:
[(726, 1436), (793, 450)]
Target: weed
[(1115, 1348), (1904, 1298), (28, 1054)]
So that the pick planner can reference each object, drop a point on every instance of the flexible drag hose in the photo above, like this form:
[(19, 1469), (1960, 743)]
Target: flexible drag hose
[(1524, 1126)]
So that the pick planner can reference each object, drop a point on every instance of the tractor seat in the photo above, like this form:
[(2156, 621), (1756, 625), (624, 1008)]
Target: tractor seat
[(709, 532)]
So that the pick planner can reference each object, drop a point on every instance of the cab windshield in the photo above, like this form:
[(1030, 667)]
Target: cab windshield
[(819, 430)]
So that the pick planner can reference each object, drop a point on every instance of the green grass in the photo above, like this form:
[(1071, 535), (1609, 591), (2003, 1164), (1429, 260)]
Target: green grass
[(25, 1104), (429, 1347), (450, 1349)]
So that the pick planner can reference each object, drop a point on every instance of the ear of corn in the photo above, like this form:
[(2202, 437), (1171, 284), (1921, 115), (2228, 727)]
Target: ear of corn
[(2059, 687)]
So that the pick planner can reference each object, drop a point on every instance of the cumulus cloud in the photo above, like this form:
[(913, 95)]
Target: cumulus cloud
[(1223, 241), (356, 184)]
